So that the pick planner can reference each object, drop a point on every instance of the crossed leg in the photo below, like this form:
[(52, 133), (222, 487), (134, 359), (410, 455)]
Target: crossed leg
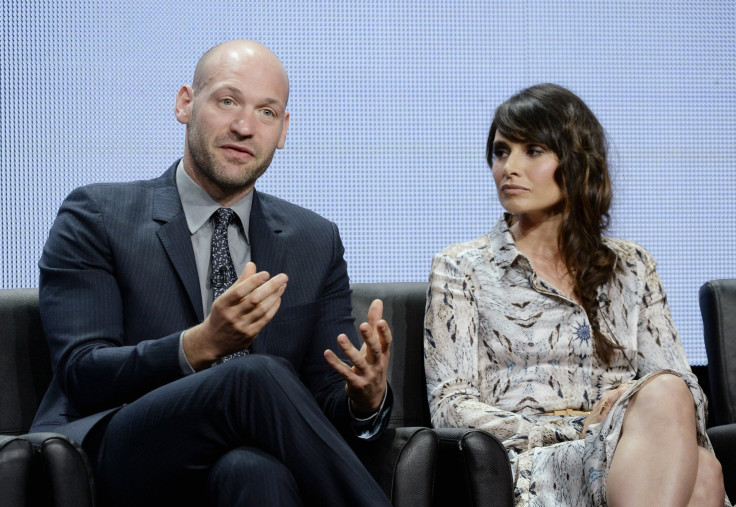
[(657, 460), (160, 449)]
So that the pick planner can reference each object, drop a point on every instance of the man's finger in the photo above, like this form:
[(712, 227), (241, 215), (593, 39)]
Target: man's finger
[(355, 356), (248, 282), (250, 270), (371, 340), (257, 288), (375, 312), (255, 306), (273, 286), (338, 365), (385, 333)]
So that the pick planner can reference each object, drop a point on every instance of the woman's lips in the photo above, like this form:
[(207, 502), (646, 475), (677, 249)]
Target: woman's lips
[(509, 189)]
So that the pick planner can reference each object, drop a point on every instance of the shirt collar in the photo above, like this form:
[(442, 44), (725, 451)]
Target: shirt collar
[(505, 251), (199, 205)]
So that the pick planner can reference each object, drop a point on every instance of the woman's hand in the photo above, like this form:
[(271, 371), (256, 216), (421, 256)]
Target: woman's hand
[(603, 407)]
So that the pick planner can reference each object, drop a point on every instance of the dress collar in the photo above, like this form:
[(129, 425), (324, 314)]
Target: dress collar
[(505, 251)]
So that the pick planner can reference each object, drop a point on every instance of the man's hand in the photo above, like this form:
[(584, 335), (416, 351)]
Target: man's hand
[(236, 318), (365, 382)]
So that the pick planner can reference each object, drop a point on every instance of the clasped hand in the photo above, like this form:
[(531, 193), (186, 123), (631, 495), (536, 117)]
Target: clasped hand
[(603, 406), (365, 381)]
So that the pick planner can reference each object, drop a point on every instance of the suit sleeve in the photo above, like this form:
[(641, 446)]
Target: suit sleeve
[(83, 316)]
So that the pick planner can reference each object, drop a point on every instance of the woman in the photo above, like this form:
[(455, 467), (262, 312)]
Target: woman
[(557, 339)]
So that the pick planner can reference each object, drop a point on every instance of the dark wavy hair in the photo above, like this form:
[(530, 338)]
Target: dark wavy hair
[(555, 117)]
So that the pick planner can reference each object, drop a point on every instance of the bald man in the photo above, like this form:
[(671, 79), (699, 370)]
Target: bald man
[(201, 333)]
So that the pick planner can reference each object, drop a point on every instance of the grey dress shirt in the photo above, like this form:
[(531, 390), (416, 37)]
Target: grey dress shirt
[(198, 209)]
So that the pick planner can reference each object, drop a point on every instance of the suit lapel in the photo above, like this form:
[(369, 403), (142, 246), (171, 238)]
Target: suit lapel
[(266, 229), (267, 250), (175, 237)]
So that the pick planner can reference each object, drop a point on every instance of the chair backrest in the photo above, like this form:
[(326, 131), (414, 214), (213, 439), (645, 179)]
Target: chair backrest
[(403, 309), (25, 363), (718, 309)]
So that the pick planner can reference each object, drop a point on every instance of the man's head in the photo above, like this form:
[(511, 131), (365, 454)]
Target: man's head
[(235, 113)]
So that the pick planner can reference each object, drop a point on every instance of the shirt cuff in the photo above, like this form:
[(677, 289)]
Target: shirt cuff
[(367, 428), (186, 368)]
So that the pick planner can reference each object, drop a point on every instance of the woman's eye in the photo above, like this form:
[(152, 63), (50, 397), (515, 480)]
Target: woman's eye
[(535, 151), (499, 153)]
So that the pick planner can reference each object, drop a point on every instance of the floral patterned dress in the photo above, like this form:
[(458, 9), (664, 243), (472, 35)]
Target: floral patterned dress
[(503, 347)]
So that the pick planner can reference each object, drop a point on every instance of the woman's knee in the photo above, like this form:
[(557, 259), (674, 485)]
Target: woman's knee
[(669, 392)]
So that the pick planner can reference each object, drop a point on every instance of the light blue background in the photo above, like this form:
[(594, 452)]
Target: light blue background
[(391, 103)]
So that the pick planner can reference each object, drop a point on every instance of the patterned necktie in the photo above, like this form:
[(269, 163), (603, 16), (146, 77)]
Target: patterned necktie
[(222, 270)]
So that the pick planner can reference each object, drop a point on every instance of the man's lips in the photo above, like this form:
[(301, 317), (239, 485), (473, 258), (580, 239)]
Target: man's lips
[(237, 150)]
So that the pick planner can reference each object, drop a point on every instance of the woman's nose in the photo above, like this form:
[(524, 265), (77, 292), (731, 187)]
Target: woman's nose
[(511, 164)]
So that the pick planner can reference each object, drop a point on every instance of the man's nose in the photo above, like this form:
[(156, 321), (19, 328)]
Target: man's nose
[(243, 124)]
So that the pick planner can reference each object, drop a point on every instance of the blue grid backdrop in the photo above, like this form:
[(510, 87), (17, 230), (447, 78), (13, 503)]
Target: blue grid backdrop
[(391, 102)]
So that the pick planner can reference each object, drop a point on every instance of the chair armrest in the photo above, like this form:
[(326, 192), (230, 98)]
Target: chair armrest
[(16, 455), (402, 461), (472, 469), (64, 466), (723, 439)]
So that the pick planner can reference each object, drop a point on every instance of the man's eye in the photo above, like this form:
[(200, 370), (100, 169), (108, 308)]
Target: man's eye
[(268, 112), (227, 102)]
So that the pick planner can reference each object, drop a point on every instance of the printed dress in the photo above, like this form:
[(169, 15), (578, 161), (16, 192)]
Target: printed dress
[(503, 347)]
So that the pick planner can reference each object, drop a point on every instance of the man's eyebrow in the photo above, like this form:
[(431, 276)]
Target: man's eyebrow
[(272, 101), (268, 101), (227, 88)]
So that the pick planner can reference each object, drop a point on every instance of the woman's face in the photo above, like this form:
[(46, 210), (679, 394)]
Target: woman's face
[(524, 175)]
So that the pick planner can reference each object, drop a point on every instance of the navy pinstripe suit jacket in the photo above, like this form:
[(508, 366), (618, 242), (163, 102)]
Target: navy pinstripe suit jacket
[(119, 284)]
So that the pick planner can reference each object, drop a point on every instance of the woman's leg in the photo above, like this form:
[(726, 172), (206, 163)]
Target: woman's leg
[(657, 458), (709, 489)]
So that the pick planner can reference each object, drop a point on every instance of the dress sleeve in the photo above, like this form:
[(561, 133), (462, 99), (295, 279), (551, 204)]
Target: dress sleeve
[(659, 345), (658, 342), (451, 350)]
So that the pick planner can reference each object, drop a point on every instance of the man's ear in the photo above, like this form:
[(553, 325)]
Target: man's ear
[(184, 101)]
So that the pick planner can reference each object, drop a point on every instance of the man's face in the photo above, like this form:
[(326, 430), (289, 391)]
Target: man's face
[(235, 122)]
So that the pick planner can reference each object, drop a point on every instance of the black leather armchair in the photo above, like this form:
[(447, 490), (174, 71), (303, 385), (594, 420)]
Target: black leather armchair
[(472, 467), (16, 454), (39, 469), (49, 469), (718, 309)]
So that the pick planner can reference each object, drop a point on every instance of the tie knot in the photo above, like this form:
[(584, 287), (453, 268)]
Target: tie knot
[(224, 216)]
